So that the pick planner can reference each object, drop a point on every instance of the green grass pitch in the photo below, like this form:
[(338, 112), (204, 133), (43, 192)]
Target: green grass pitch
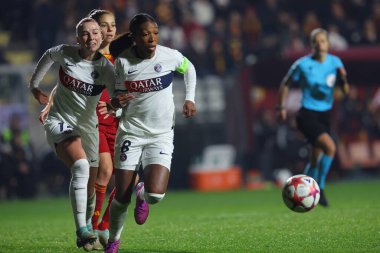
[(194, 222)]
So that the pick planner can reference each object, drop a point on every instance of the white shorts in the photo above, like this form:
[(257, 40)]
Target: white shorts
[(57, 131), (130, 150)]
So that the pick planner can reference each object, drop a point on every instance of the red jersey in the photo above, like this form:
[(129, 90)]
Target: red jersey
[(109, 124)]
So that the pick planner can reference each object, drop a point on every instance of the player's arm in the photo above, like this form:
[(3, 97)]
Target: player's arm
[(39, 72), (120, 96), (190, 77), (282, 95), (342, 81), (44, 113)]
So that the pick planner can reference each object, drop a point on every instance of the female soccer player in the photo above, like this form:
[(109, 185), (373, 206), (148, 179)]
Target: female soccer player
[(317, 74), (107, 131), (108, 123), (71, 125), (145, 131)]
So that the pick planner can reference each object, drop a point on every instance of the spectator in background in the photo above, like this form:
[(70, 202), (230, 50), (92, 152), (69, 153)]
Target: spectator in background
[(47, 22), (338, 18), (172, 35), (197, 51), (203, 12), (7, 180), (336, 40), (262, 32), (310, 22), (14, 130), (18, 153), (292, 35), (269, 43), (218, 61), (375, 15), (54, 174), (351, 116), (24, 174), (251, 28), (218, 28), (369, 34), (64, 33), (265, 130)]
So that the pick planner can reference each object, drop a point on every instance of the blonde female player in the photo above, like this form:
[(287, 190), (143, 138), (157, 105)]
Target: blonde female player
[(317, 74), (108, 123), (71, 125)]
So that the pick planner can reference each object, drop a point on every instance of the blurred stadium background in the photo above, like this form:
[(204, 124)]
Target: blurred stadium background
[(241, 50)]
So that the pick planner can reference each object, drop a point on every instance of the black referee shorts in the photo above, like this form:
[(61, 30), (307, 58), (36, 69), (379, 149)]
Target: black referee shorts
[(313, 123)]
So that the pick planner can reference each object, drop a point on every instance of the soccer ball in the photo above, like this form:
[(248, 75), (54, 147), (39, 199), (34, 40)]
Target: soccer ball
[(301, 193)]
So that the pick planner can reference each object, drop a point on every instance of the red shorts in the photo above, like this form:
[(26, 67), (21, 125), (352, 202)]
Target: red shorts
[(107, 142)]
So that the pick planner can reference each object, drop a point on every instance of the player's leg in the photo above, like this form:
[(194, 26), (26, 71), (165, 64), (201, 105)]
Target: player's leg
[(106, 151), (91, 197), (103, 226), (312, 168), (125, 174), (103, 232), (156, 178), (70, 151), (124, 183), (327, 144), (103, 177), (156, 162), (310, 125), (90, 143)]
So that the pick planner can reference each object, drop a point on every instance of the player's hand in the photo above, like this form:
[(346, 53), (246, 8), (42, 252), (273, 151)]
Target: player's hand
[(281, 114), (346, 89), (44, 113), (121, 100), (40, 96), (105, 110), (189, 109)]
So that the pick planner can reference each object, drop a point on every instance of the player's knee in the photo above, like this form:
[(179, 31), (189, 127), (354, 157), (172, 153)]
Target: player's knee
[(80, 169), (153, 198), (118, 207)]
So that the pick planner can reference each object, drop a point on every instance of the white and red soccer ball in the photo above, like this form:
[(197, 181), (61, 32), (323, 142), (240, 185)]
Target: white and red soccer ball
[(301, 193)]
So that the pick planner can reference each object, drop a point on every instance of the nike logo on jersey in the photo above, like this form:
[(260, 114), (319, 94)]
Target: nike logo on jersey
[(162, 153), (131, 71), (78, 86), (69, 64), (93, 160), (149, 85)]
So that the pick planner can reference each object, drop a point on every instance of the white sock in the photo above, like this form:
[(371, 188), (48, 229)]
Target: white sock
[(91, 201), (118, 211), (78, 191)]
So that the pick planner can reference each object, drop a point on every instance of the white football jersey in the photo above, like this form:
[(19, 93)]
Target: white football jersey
[(80, 85), (150, 81)]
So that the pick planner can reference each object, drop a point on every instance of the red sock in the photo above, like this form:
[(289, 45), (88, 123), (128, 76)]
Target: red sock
[(100, 191), (104, 224)]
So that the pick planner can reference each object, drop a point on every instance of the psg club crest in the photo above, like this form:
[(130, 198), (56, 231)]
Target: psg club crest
[(158, 68), (123, 157), (95, 74)]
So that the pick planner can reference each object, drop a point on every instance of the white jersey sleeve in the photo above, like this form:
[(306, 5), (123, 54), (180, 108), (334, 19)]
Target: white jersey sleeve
[(43, 65), (190, 78), (120, 76)]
